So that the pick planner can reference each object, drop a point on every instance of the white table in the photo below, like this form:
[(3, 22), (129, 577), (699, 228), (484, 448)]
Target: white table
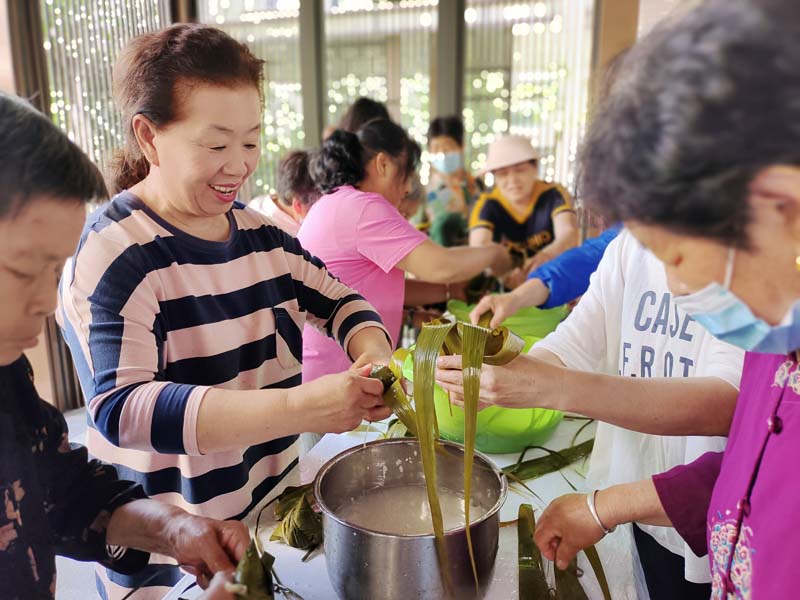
[(310, 579)]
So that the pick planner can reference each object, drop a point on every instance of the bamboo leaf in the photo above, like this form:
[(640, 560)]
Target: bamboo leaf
[(429, 344), (289, 498), (393, 394), (532, 582), (258, 522), (453, 343), (580, 430), (397, 429), (519, 481), (599, 572), (486, 319), (299, 526), (398, 360), (569, 483), (474, 343), (502, 347), (383, 374), (537, 467), (568, 587), (250, 573)]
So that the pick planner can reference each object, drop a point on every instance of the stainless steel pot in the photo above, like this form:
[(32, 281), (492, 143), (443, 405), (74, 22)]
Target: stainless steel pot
[(364, 564)]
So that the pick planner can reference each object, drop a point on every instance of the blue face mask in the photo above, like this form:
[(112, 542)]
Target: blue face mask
[(729, 319), (447, 162)]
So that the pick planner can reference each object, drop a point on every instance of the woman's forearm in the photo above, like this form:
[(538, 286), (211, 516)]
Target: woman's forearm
[(234, 419), (462, 263), (141, 524), (660, 406), (370, 344), (202, 546), (435, 264), (531, 293), (636, 502)]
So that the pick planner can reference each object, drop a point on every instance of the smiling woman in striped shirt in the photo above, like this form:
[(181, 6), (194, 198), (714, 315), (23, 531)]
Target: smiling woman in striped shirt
[(184, 309)]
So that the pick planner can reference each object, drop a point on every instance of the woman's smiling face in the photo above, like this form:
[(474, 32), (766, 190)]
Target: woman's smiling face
[(517, 181), (207, 154)]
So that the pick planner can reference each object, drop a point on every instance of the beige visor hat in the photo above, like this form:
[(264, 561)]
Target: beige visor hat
[(508, 150)]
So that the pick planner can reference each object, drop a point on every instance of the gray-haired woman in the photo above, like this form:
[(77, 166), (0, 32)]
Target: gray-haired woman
[(701, 160)]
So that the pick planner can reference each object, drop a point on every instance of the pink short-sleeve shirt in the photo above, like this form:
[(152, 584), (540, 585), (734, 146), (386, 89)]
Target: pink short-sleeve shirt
[(360, 237)]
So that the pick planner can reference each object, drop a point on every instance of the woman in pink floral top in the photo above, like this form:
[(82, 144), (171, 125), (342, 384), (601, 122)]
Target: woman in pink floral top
[(699, 155)]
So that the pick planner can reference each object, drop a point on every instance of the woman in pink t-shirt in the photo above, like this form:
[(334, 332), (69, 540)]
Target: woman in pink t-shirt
[(355, 228)]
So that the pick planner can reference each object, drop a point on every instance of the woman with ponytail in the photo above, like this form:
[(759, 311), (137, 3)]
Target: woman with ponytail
[(184, 309), (357, 230)]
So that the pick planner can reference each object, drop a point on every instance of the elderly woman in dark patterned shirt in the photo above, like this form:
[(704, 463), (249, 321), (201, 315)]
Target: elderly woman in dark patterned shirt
[(54, 499)]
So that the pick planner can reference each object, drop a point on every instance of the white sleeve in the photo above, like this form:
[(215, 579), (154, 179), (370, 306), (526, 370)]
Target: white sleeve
[(724, 361), (588, 339)]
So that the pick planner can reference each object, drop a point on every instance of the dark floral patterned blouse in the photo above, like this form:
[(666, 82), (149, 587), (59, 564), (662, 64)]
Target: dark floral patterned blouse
[(53, 499)]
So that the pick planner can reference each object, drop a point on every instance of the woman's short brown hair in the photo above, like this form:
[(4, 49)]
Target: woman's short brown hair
[(156, 68)]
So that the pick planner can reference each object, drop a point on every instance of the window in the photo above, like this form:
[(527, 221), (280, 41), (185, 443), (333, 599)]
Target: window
[(272, 31), (81, 41), (382, 50), (527, 69)]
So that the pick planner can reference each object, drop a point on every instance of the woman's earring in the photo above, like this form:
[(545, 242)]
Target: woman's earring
[(797, 262)]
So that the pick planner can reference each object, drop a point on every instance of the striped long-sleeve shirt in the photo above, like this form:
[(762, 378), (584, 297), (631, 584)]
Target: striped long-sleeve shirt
[(154, 317)]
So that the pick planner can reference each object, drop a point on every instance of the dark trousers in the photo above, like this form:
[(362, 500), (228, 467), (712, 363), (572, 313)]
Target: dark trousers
[(664, 571)]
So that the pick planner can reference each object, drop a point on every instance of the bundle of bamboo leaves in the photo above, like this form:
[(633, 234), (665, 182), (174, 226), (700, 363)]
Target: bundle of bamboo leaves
[(476, 345)]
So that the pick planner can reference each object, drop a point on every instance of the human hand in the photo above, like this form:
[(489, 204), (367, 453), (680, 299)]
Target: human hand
[(216, 588), (205, 546), (531, 293), (501, 305), (338, 403), (565, 528), (525, 382)]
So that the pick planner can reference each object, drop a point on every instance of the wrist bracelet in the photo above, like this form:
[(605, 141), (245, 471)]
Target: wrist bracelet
[(590, 497)]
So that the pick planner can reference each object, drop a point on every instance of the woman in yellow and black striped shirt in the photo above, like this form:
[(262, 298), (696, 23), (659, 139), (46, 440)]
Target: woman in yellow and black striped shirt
[(522, 211)]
